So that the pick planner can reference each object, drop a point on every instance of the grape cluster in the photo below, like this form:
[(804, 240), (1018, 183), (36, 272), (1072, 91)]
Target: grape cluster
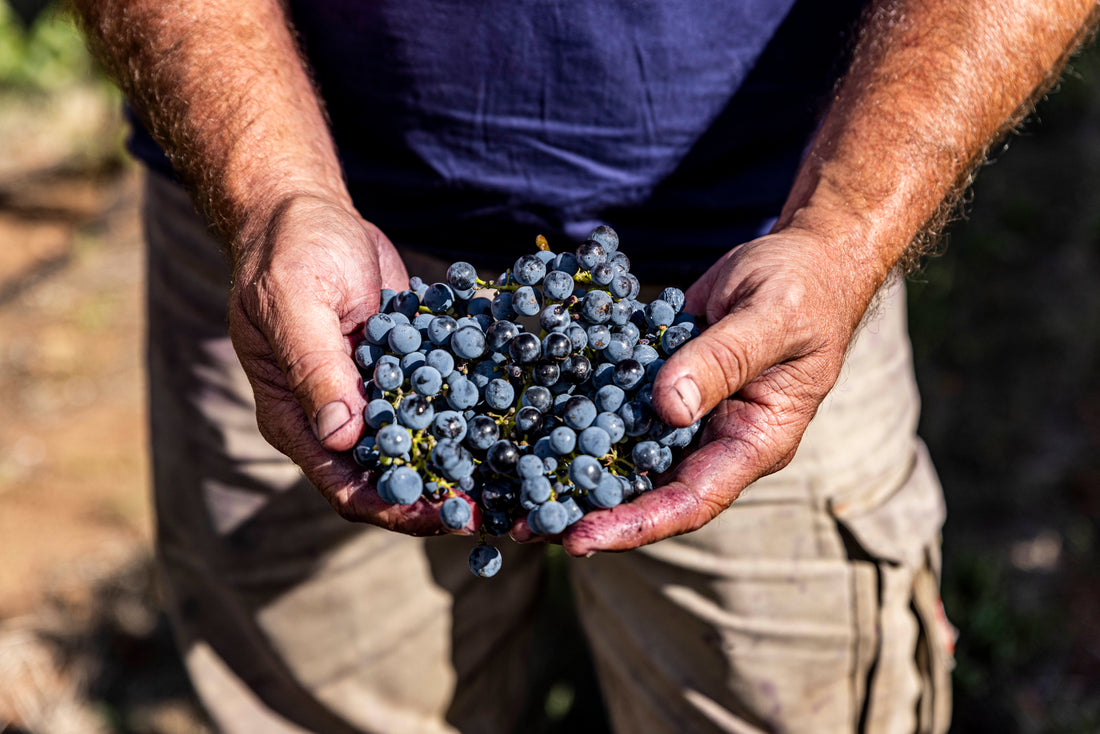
[(531, 394)]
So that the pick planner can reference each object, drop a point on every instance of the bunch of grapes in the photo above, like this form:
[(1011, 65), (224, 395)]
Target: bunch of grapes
[(530, 394)]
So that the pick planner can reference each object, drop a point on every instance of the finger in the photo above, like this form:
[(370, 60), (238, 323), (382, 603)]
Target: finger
[(745, 441), (311, 349), (718, 363)]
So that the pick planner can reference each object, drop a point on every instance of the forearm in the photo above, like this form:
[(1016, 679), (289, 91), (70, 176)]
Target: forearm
[(932, 84), (221, 87)]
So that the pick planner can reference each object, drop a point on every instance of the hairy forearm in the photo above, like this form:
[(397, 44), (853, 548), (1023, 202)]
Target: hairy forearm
[(932, 84), (221, 87)]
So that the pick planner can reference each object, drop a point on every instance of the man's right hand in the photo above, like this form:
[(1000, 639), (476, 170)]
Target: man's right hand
[(303, 285)]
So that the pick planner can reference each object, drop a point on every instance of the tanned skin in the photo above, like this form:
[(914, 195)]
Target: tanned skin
[(932, 84)]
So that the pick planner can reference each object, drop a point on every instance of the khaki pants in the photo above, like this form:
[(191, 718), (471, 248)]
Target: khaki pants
[(811, 605)]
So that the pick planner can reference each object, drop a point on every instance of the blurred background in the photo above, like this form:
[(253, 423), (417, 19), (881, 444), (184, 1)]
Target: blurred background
[(1006, 330)]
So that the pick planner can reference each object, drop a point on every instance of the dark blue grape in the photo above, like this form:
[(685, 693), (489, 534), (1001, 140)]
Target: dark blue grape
[(388, 376), (525, 348), (549, 518), (394, 440), (603, 274), (400, 486), (576, 369), (599, 336), (407, 303), (620, 286), (538, 398), (426, 380), (674, 337), (415, 412), (556, 346), (378, 413), (502, 456), (567, 263), (404, 338), (607, 238), (529, 466), (502, 306), (499, 496), (462, 276), (594, 441), (528, 421), (468, 342), (439, 298), (366, 354), (585, 472), (484, 560), (646, 455), (637, 419), (673, 297), (546, 374), (613, 424), (462, 394), (558, 285), (563, 440), (596, 307), (442, 360), (525, 301), (553, 317), (659, 313), (629, 373), (608, 492), (449, 424), (481, 432), (645, 354), (500, 333), (578, 336), (590, 254), (377, 327), (440, 329), (385, 299), (529, 270), (499, 394), (609, 398), (496, 523), (454, 513), (579, 412)]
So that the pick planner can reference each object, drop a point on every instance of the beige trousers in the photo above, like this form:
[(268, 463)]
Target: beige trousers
[(811, 605)]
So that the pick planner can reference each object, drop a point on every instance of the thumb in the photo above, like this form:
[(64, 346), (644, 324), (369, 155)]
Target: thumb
[(717, 364)]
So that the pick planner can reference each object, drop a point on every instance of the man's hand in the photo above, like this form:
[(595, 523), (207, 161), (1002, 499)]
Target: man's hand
[(308, 282), (780, 326)]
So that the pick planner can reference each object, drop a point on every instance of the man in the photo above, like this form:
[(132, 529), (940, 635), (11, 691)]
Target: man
[(810, 604)]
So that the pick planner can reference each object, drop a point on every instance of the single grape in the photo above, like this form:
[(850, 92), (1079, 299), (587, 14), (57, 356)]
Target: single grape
[(449, 424), (407, 303), (590, 254), (442, 360), (629, 373), (484, 560), (415, 412), (567, 263), (499, 394), (674, 337), (388, 376), (377, 327), (579, 412), (599, 336), (528, 421), (525, 301), (537, 397), (502, 456), (576, 369), (481, 432), (637, 418), (378, 413), (596, 307), (607, 493), (468, 342), (673, 297), (530, 465), (402, 486), (594, 441), (462, 394), (613, 424), (525, 348), (549, 518), (556, 346), (462, 276), (366, 354), (439, 298), (659, 313), (606, 237), (603, 274), (563, 440), (404, 338), (454, 513), (546, 374), (500, 334), (646, 455), (426, 380), (585, 472), (440, 329), (609, 398), (529, 270), (557, 285), (554, 316)]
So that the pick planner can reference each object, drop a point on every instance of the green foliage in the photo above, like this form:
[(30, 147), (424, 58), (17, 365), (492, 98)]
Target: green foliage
[(50, 56)]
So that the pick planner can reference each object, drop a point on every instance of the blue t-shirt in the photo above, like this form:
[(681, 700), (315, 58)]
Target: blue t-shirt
[(473, 126)]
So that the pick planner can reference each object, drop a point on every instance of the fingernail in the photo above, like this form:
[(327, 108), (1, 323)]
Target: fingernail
[(689, 394), (330, 419)]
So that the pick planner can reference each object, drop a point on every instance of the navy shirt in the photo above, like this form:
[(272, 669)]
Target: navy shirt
[(473, 126)]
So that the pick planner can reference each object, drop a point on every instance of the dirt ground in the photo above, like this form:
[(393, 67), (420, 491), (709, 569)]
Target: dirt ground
[(1006, 328)]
